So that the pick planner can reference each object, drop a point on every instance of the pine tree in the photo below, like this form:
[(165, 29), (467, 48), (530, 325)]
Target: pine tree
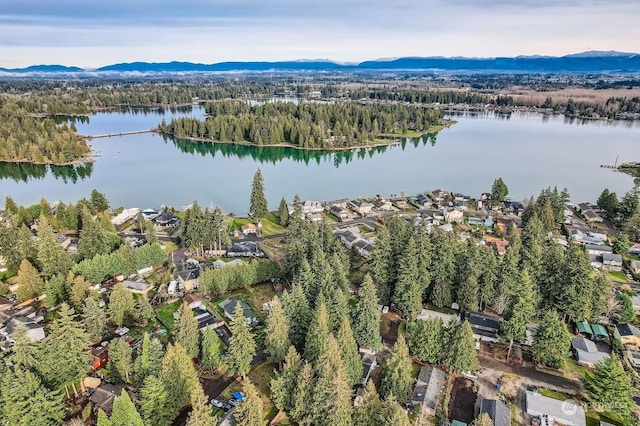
[(499, 192), (250, 410), (120, 366), (381, 260), (51, 255), (318, 334), (95, 319), (462, 350), (366, 316), (349, 352), (121, 305), (520, 312), (24, 354), (103, 420), (337, 307), (332, 393), (212, 348), (468, 294), (25, 400), (408, 292), (80, 289), (178, 376), (276, 332), (242, 346), (283, 383), (441, 294), (201, 413), (187, 333), (93, 239), (426, 339), (30, 284), (551, 342), (302, 403), (283, 213), (369, 412), (124, 412), (397, 378), (296, 308), (154, 402), (393, 413), (610, 387), (258, 202), (66, 356), (149, 359), (98, 201)]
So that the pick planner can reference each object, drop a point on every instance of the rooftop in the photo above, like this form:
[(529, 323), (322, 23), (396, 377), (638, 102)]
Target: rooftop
[(555, 409)]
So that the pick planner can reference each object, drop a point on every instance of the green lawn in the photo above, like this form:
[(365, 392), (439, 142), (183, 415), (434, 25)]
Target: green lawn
[(169, 246), (255, 296), (270, 225), (618, 276), (553, 394), (594, 418), (165, 313), (260, 376)]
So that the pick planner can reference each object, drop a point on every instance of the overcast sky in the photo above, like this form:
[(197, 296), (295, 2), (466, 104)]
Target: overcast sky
[(95, 33)]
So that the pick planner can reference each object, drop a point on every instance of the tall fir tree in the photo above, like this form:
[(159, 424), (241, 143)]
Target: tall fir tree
[(24, 354), (51, 255), (201, 412), (296, 308), (187, 332), (212, 348), (332, 393), (178, 376), (426, 339), (283, 213), (250, 410), (149, 359), (462, 351), (242, 346), (468, 294), (381, 261), (120, 365), (349, 352), (302, 404), (67, 355), (397, 378), (257, 202), (552, 341), (520, 312), (121, 305), (95, 319), (366, 316), (25, 400), (369, 412), (283, 383), (408, 292), (276, 339), (609, 387), (318, 334), (30, 284), (154, 403), (93, 239), (393, 413), (124, 411)]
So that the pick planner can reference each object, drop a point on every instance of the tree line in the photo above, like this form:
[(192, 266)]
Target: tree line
[(306, 124)]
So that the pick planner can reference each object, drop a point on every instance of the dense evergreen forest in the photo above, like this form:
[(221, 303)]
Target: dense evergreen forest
[(306, 124)]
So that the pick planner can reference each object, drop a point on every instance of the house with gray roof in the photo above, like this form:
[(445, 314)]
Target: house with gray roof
[(35, 331), (229, 305), (586, 352), (428, 389), (498, 411), (611, 262)]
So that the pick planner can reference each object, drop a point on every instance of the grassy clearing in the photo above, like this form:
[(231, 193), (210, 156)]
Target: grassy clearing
[(594, 418), (553, 394), (514, 414), (255, 296), (169, 246), (572, 369), (138, 332), (618, 276), (165, 313), (260, 376), (270, 225)]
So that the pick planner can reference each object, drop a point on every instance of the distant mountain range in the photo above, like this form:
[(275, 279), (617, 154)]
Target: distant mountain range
[(585, 62)]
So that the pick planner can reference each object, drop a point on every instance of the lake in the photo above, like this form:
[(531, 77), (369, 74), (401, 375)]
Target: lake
[(529, 151)]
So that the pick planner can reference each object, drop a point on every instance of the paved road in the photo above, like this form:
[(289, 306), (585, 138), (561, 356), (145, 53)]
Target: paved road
[(213, 389)]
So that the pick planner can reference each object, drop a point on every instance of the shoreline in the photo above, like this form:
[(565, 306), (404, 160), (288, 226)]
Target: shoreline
[(377, 142), (86, 159)]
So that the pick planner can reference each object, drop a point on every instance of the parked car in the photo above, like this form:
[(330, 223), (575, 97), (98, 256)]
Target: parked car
[(217, 403)]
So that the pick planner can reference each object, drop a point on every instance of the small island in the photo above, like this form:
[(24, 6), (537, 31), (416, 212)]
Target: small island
[(308, 125)]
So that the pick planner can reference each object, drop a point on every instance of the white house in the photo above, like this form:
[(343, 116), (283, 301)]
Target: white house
[(554, 411)]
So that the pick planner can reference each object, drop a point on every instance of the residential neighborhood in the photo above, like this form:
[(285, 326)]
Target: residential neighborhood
[(243, 299)]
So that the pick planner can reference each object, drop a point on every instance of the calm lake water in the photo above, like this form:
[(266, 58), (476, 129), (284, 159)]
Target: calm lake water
[(529, 152)]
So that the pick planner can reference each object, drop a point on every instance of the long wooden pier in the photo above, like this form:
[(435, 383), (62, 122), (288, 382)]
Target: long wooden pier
[(110, 135)]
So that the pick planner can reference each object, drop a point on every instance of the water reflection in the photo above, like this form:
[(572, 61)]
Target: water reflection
[(274, 155), (24, 172)]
